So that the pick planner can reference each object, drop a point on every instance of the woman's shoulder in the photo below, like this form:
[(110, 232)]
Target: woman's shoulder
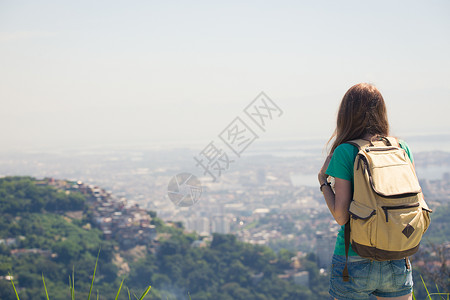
[(341, 164), (345, 152), (346, 148), (405, 147)]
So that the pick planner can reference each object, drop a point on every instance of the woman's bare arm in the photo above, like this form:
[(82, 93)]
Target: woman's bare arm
[(337, 203)]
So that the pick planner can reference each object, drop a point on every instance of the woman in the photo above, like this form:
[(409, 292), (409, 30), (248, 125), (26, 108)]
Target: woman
[(362, 115)]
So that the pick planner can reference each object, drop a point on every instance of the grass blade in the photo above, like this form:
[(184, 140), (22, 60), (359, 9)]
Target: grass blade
[(128, 290), (73, 282), (426, 289), (120, 287), (70, 286), (440, 295), (145, 292), (437, 289), (12, 282), (93, 276), (45, 288)]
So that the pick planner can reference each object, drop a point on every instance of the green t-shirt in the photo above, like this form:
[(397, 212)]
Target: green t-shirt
[(341, 166)]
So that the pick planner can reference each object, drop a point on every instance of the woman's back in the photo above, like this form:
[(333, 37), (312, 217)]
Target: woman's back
[(362, 114)]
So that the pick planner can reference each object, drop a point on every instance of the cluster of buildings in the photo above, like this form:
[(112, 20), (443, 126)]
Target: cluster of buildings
[(261, 207), (129, 225), (437, 190), (8, 242), (204, 226)]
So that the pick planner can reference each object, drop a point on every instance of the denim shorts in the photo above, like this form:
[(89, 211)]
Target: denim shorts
[(381, 278)]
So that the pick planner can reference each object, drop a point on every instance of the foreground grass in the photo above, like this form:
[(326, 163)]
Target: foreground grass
[(441, 295), (72, 286)]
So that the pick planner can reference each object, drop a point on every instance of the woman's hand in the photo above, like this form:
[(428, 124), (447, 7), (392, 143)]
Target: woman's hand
[(322, 176)]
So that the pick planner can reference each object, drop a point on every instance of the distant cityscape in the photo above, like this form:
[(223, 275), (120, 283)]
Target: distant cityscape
[(265, 199)]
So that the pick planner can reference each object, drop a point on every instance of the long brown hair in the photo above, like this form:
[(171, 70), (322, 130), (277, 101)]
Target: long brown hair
[(362, 111)]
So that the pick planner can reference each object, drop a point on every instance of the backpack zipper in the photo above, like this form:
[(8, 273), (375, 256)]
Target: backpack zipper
[(365, 163), (386, 208), (380, 149)]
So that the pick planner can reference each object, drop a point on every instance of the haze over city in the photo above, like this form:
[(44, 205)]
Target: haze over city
[(88, 74)]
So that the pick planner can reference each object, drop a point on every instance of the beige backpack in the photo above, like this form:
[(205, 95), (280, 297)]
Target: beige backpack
[(388, 214)]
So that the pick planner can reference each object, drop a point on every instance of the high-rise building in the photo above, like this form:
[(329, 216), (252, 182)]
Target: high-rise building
[(201, 225), (220, 224), (325, 242)]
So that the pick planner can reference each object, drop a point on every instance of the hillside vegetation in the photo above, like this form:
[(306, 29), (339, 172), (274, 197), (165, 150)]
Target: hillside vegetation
[(45, 229)]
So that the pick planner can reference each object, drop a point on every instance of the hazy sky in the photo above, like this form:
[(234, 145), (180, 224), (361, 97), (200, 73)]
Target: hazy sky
[(76, 73)]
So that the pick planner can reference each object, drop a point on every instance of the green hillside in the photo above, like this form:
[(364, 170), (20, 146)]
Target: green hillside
[(50, 228), (40, 236)]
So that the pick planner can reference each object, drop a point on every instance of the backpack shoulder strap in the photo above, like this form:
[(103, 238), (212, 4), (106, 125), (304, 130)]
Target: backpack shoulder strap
[(345, 275), (393, 141), (359, 143)]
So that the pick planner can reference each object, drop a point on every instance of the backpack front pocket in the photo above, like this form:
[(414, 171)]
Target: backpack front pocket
[(361, 224), (391, 172), (402, 228)]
